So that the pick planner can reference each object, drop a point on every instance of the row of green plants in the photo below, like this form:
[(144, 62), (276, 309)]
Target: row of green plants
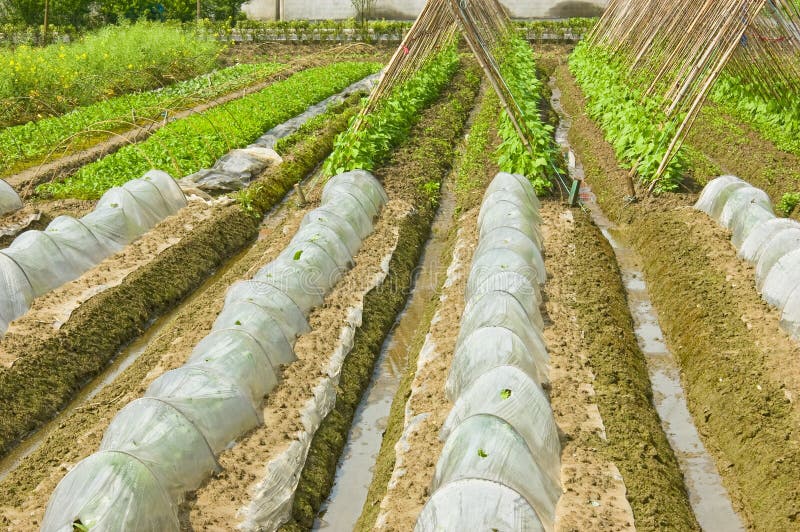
[(49, 81), (30, 142), (188, 145), (518, 66), (300, 30), (778, 120), (576, 26), (390, 122), (636, 127)]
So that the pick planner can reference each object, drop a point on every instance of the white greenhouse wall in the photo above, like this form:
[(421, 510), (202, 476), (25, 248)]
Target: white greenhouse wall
[(409, 9)]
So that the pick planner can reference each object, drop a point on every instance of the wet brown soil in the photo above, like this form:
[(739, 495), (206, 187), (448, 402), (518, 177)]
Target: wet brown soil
[(739, 368)]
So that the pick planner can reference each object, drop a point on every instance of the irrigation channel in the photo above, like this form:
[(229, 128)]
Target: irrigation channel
[(135, 349), (707, 495), (354, 473)]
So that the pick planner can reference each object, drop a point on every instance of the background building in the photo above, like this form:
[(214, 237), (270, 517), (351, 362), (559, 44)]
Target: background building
[(409, 9)]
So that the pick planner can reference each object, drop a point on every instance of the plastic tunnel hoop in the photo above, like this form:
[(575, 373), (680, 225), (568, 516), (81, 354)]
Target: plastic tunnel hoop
[(722, 197), (260, 325), (110, 490), (273, 300), (529, 254), (345, 229), (295, 282), (9, 199), (510, 394), (169, 188), (486, 447), (790, 317), (149, 197), (219, 408), (504, 200), (110, 226), (488, 348), (330, 240), (514, 219), (476, 504), (77, 242), (491, 299), (782, 243), (515, 284), (138, 218), (741, 199), (335, 190), (314, 258), (165, 440), (349, 208), (761, 235), (513, 183), (363, 181), (500, 260), (238, 357), (712, 190), (746, 220), (16, 290), (782, 280), (43, 262), (531, 339)]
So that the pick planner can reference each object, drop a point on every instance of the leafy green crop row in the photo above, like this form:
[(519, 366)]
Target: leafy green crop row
[(519, 70), (778, 121), (390, 123), (188, 145), (37, 82), (635, 127), (94, 122)]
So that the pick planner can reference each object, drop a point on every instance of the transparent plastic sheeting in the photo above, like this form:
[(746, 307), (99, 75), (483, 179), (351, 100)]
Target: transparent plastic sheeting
[(239, 167), (9, 199), (37, 262), (164, 445), (476, 504), (501, 460), (771, 244)]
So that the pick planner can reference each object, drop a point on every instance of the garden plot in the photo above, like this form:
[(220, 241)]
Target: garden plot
[(738, 367), (81, 345)]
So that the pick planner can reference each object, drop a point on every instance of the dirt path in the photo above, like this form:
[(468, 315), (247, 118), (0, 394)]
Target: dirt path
[(594, 489), (740, 369)]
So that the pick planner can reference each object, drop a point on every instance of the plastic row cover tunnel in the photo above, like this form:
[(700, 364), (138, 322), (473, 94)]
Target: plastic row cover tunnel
[(500, 466), (165, 444), (9, 199), (37, 262), (770, 243)]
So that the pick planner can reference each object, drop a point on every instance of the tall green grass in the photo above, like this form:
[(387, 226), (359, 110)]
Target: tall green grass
[(49, 81)]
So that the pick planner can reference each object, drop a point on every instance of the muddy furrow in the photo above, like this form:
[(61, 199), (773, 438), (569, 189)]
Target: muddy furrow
[(740, 370), (70, 334)]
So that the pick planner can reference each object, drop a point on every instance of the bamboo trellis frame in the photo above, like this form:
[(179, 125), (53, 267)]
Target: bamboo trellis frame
[(484, 25), (676, 49)]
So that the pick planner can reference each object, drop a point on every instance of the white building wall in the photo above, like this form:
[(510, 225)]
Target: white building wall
[(409, 9)]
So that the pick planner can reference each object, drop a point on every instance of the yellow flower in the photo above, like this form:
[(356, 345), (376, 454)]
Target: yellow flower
[(130, 66)]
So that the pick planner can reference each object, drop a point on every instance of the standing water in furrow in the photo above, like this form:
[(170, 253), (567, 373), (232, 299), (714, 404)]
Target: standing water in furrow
[(708, 497), (355, 470)]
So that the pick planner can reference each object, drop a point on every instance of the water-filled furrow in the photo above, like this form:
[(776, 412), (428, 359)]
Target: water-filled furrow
[(709, 499)]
